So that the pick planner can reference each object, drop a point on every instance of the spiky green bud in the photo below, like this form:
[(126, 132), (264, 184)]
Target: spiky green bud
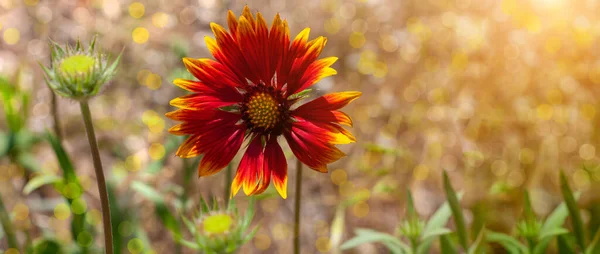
[(219, 231), (78, 73)]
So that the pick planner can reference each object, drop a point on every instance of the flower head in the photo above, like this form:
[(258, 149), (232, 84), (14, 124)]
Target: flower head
[(78, 73), (252, 92), (218, 230)]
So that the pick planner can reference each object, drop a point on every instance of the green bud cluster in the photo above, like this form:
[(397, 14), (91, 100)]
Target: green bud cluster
[(78, 73), (218, 231)]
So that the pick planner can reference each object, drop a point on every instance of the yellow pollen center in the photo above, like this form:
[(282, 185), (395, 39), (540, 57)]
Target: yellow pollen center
[(263, 110)]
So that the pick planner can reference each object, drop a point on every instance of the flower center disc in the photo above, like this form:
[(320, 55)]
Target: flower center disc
[(263, 110), (77, 64)]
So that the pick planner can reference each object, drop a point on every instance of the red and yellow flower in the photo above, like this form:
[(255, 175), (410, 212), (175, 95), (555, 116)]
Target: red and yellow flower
[(250, 92)]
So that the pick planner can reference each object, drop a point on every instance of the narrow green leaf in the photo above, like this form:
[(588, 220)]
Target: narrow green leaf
[(250, 235), (556, 218), (249, 215), (440, 218), (459, 219), (191, 245), (410, 206), (477, 246), (190, 225), (541, 246), (564, 245), (28, 161), (204, 206), (8, 227), (434, 233), (301, 95), (40, 181), (446, 245), (370, 236), (528, 209), (553, 232), (63, 159), (594, 248), (512, 245), (577, 223), (93, 43)]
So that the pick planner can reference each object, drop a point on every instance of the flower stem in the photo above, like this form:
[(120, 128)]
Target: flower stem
[(54, 104), (89, 128), (297, 207), (227, 187)]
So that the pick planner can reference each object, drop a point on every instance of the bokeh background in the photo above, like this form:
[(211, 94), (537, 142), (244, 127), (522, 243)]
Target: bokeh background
[(500, 93)]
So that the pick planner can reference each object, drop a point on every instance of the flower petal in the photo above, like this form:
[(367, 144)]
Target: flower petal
[(301, 63), (296, 49), (248, 171), (219, 149), (232, 22), (324, 116), (332, 101), (199, 101), (211, 72), (312, 145), (279, 41), (276, 163), (200, 121), (315, 72)]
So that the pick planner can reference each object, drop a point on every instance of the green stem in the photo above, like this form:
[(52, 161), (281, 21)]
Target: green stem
[(297, 207), (227, 187), (8, 227), (89, 127), (55, 117)]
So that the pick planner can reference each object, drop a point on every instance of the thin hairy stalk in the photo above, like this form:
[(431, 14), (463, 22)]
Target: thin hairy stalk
[(89, 128), (297, 207), (55, 117), (227, 187)]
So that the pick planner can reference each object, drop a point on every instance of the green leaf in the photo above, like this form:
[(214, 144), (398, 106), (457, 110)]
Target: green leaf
[(249, 215), (28, 161), (47, 246), (370, 236), (204, 206), (512, 245), (564, 245), (440, 218), (446, 245), (553, 232), (577, 223), (78, 223), (250, 235), (5, 143), (557, 217), (162, 211), (434, 233), (541, 246), (191, 245), (40, 181), (459, 219), (63, 159), (594, 248), (477, 246), (7, 226), (301, 95)]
